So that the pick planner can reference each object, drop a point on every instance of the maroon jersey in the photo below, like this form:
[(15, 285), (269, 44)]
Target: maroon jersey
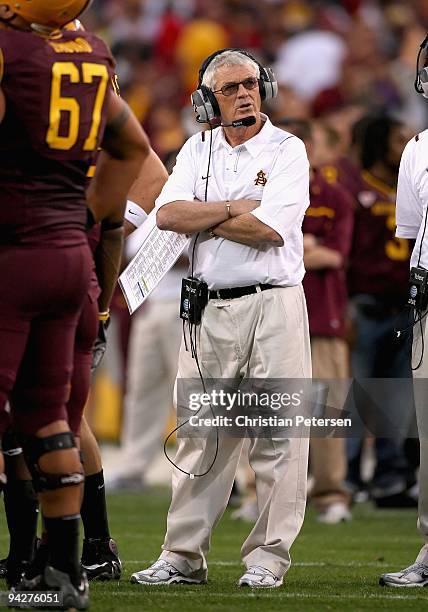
[(330, 219), (379, 263), (347, 174), (56, 92)]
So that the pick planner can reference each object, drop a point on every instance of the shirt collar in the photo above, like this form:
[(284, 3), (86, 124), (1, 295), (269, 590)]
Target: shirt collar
[(254, 145)]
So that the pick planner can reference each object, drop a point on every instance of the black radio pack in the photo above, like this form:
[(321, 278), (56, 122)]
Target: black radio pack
[(194, 298), (418, 291)]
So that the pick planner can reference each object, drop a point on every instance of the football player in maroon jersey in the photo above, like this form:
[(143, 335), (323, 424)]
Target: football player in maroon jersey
[(57, 108), (100, 558)]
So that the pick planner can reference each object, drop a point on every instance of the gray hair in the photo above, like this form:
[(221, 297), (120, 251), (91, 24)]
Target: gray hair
[(227, 58)]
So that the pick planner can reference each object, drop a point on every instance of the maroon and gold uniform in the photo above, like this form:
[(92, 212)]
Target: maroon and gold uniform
[(55, 115), (346, 173), (56, 92), (379, 261), (330, 219), (87, 326)]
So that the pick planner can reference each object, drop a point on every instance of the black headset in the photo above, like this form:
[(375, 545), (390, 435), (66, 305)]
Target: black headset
[(204, 101), (421, 79)]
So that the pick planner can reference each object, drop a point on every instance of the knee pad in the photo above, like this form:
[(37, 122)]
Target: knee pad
[(35, 447)]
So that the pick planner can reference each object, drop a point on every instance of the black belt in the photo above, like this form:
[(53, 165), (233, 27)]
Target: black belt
[(237, 292)]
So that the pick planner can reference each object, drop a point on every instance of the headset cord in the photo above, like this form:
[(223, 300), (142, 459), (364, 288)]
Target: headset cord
[(194, 352), (423, 236), (419, 320), (420, 316), (419, 313)]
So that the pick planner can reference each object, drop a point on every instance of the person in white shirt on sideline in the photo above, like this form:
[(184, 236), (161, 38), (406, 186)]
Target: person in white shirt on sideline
[(152, 365), (250, 254), (412, 211)]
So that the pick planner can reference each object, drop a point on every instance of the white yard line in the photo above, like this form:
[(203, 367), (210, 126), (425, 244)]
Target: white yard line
[(257, 594)]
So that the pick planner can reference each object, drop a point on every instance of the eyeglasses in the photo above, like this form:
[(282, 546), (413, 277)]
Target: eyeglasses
[(232, 88)]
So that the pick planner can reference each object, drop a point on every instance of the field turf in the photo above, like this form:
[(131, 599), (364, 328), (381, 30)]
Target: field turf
[(334, 567)]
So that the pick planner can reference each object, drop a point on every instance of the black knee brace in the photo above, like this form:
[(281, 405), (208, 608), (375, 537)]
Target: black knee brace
[(35, 447)]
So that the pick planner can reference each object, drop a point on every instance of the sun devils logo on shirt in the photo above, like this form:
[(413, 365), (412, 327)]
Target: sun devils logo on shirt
[(261, 178)]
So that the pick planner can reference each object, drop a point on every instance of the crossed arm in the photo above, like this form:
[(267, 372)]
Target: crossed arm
[(285, 198), (185, 217)]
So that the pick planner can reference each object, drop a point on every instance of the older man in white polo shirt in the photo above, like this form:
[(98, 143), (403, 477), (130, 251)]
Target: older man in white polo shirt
[(412, 223), (412, 217), (249, 251)]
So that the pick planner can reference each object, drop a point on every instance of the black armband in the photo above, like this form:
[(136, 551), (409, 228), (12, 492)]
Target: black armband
[(117, 123)]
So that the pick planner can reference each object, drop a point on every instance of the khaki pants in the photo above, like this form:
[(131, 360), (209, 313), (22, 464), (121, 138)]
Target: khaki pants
[(330, 361), (264, 335), (421, 404)]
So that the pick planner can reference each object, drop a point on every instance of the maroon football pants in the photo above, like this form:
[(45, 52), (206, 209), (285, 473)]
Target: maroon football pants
[(42, 293), (86, 333)]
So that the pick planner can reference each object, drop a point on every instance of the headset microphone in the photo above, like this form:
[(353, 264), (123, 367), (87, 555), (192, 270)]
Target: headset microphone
[(245, 122)]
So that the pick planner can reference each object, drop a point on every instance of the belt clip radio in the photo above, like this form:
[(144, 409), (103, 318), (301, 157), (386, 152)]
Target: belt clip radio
[(194, 298), (418, 290)]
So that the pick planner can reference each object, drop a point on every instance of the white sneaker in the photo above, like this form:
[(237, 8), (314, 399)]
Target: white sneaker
[(334, 514), (415, 575), (162, 572), (259, 577)]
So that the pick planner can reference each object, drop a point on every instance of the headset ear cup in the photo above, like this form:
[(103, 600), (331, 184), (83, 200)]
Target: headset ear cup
[(211, 100), (205, 104), (199, 106), (268, 85), (423, 80)]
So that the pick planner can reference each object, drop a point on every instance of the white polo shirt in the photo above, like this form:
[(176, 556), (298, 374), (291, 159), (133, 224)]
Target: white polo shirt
[(412, 196), (271, 167)]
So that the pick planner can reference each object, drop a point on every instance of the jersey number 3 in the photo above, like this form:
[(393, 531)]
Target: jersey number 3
[(60, 104)]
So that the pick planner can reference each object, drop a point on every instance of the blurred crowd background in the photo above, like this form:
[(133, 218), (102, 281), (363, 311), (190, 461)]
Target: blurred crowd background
[(326, 54), (336, 62)]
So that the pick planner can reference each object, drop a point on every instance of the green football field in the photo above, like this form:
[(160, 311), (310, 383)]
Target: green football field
[(334, 567)]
